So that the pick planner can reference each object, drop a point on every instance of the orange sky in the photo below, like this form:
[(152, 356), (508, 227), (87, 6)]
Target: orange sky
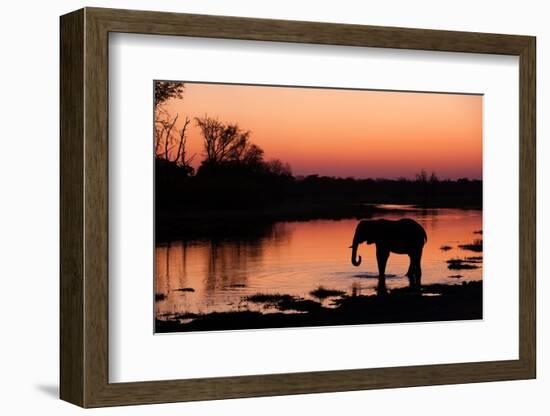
[(344, 133)]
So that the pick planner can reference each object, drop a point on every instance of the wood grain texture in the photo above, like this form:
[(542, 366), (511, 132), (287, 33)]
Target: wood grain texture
[(84, 207), (96, 219), (527, 207), (162, 23), (71, 99)]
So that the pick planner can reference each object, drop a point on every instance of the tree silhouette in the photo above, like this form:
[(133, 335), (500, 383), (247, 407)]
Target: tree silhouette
[(278, 168), (428, 184), (227, 143), (170, 142), (422, 176), (165, 90), (181, 160)]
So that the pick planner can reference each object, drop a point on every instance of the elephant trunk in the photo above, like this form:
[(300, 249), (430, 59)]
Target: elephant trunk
[(355, 260)]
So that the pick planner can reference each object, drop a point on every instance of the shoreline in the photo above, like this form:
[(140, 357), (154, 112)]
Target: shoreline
[(434, 303), (197, 224)]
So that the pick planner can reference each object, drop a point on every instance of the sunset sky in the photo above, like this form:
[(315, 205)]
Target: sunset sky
[(334, 132)]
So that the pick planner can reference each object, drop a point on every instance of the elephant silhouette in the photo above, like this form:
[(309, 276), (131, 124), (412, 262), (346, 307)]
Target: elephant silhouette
[(404, 236)]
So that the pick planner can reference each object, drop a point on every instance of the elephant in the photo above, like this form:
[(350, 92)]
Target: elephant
[(404, 236)]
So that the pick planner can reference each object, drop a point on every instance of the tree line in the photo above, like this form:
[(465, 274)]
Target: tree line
[(235, 174), (228, 148)]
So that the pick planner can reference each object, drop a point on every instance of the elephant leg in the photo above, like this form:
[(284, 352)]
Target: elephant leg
[(417, 268), (410, 272), (381, 289), (382, 258)]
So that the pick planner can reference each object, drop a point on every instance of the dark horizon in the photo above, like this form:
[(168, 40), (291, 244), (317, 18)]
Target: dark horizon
[(412, 178)]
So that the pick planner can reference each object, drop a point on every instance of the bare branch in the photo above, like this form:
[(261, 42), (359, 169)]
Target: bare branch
[(168, 136), (180, 155)]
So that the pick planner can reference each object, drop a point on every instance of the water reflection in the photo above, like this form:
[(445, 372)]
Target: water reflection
[(297, 257)]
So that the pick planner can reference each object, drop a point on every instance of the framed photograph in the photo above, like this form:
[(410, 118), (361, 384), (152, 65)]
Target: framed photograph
[(254, 207)]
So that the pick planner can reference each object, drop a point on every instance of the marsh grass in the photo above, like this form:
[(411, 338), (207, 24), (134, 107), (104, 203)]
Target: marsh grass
[(436, 302), (460, 264), (284, 302), (466, 263), (184, 289), (268, 298), (474, 259), (323, 293), (476, 245)]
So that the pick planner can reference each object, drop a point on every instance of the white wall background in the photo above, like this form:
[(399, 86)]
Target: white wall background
[(29, 208)]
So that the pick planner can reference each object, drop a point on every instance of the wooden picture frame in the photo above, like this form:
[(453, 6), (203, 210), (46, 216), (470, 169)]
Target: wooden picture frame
[(84, 207)]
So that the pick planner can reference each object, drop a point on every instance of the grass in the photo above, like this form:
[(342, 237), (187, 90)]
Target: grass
[(467, 263), (474, 259), (460, 264), (476, 246), (184, 289), (322, 293), (284, 302), (298, 304), (437, 302), (183, 315), (267, 298)]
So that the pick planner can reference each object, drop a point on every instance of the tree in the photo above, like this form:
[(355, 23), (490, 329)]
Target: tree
[(428, 184), (278, 168), (167, 136), (180, 154), (170, 142), (422, 176), (165, 90), (227, 143)]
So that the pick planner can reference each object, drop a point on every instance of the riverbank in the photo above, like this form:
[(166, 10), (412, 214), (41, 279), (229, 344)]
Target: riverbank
[(249, 223), (436, 302)]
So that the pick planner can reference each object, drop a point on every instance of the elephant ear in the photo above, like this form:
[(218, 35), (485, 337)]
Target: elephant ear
[(374, 232)]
